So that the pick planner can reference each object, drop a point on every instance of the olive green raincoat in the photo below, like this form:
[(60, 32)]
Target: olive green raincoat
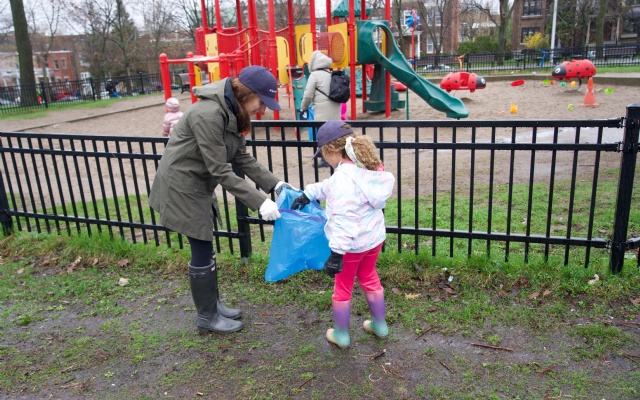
[(197, 158)]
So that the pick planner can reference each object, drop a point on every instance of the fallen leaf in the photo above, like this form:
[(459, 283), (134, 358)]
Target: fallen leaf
[(20, 271), (123, 282), (636, 302), (124, 262), (95, 261), (411, 296), (72, 265), (546, 293), (396, 291), (534, 295)]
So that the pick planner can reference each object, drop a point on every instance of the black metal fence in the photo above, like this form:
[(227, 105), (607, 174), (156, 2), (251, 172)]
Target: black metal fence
[(605, 56), (518, 187), (55, 94)]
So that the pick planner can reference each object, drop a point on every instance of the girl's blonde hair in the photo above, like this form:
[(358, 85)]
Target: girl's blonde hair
[(363, 146)]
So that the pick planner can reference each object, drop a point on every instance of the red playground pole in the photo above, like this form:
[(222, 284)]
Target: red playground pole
[(166, 79)]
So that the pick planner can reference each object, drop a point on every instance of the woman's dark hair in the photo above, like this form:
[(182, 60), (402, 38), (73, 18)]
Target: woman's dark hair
[(243, 96)]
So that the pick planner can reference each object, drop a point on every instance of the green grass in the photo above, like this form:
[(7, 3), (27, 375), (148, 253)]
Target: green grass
[(63, 305), (489, 298)]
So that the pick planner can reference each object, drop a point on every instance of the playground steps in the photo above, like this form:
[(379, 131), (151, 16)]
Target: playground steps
[(377, 101)]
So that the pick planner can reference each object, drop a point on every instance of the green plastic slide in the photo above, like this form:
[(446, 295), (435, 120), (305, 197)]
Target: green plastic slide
[(398, 66)]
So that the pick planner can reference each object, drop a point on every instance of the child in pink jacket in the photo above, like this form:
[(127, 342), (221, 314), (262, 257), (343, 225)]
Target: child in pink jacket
[(172, 116)]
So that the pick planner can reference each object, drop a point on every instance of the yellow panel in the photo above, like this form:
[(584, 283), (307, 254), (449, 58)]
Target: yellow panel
[(283, 59), (198, 76), (306, 48), (300, 31), (342, 29), (211, 45)]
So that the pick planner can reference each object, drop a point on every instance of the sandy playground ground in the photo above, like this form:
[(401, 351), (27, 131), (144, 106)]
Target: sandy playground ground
[(143, 115)]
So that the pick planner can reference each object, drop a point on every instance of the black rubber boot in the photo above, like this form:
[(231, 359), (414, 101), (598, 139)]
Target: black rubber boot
[(204, 289), (223, 310)]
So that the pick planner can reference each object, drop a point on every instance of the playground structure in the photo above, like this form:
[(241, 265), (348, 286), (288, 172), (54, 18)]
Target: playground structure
[(224, 51), (574, 69), (462, 80)]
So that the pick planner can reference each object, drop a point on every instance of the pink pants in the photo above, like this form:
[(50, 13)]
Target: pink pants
[(362, 265)]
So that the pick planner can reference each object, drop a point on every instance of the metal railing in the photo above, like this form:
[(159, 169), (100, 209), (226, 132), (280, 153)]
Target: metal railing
[(609, 56), (521, 187), (55, 94)]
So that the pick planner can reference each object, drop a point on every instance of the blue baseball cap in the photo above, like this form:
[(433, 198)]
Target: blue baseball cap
[(261, 80), (330, 131)]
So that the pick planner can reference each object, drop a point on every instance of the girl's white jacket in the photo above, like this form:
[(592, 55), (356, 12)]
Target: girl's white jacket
[(354, 199)]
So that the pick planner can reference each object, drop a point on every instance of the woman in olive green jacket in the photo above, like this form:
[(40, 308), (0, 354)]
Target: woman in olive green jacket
[(206, 141)]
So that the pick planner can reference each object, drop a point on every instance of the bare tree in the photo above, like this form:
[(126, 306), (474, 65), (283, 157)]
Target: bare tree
[(25, 53), (501, 20), (6, 23), (94, 20), (44, 21), (124, 35), (190, 16), (436, 17), (472, 22), (160, 22)]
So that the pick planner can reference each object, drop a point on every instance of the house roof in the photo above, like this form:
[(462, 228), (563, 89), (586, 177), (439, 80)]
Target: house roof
[(342, 9)]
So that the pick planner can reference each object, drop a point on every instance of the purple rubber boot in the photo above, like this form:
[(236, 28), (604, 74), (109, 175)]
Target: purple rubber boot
[(377, 325), (341, 318)]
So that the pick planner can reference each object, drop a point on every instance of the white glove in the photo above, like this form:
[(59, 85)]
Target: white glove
[(269, 210)]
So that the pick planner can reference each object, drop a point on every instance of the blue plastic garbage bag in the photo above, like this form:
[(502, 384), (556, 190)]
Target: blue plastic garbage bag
[(299, 242), (310, 116)]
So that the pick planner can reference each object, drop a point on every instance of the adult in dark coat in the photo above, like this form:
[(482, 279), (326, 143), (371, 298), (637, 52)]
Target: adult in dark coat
[(206, 140)]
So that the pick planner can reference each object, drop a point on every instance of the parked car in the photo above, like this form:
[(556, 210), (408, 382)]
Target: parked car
[(5, 102), (435, 68), (69, 98)]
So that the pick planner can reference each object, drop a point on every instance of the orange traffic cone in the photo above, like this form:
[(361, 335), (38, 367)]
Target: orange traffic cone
[(589, 97)]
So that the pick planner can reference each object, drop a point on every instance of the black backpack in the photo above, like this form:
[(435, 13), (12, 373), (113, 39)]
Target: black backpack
[(339, 91)]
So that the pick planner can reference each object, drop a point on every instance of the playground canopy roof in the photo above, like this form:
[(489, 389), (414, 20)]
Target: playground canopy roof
[(342, 9)]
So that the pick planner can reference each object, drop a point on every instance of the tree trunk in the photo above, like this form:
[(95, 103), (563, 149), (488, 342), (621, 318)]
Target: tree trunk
[(28, 94), (602, 11)]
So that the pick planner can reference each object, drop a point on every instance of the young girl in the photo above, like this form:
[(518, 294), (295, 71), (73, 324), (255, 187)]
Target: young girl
[(172, 116), (355, 196)]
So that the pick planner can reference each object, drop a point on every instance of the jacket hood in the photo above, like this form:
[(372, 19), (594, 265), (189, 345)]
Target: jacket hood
[(376, 186), (212, 91), (319, 61), (173, 105)]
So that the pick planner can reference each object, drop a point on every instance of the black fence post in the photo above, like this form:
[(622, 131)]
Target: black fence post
[(244, 228), (44, 94), (625, 187), (93, 89), (5, 218), (141, 90)]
